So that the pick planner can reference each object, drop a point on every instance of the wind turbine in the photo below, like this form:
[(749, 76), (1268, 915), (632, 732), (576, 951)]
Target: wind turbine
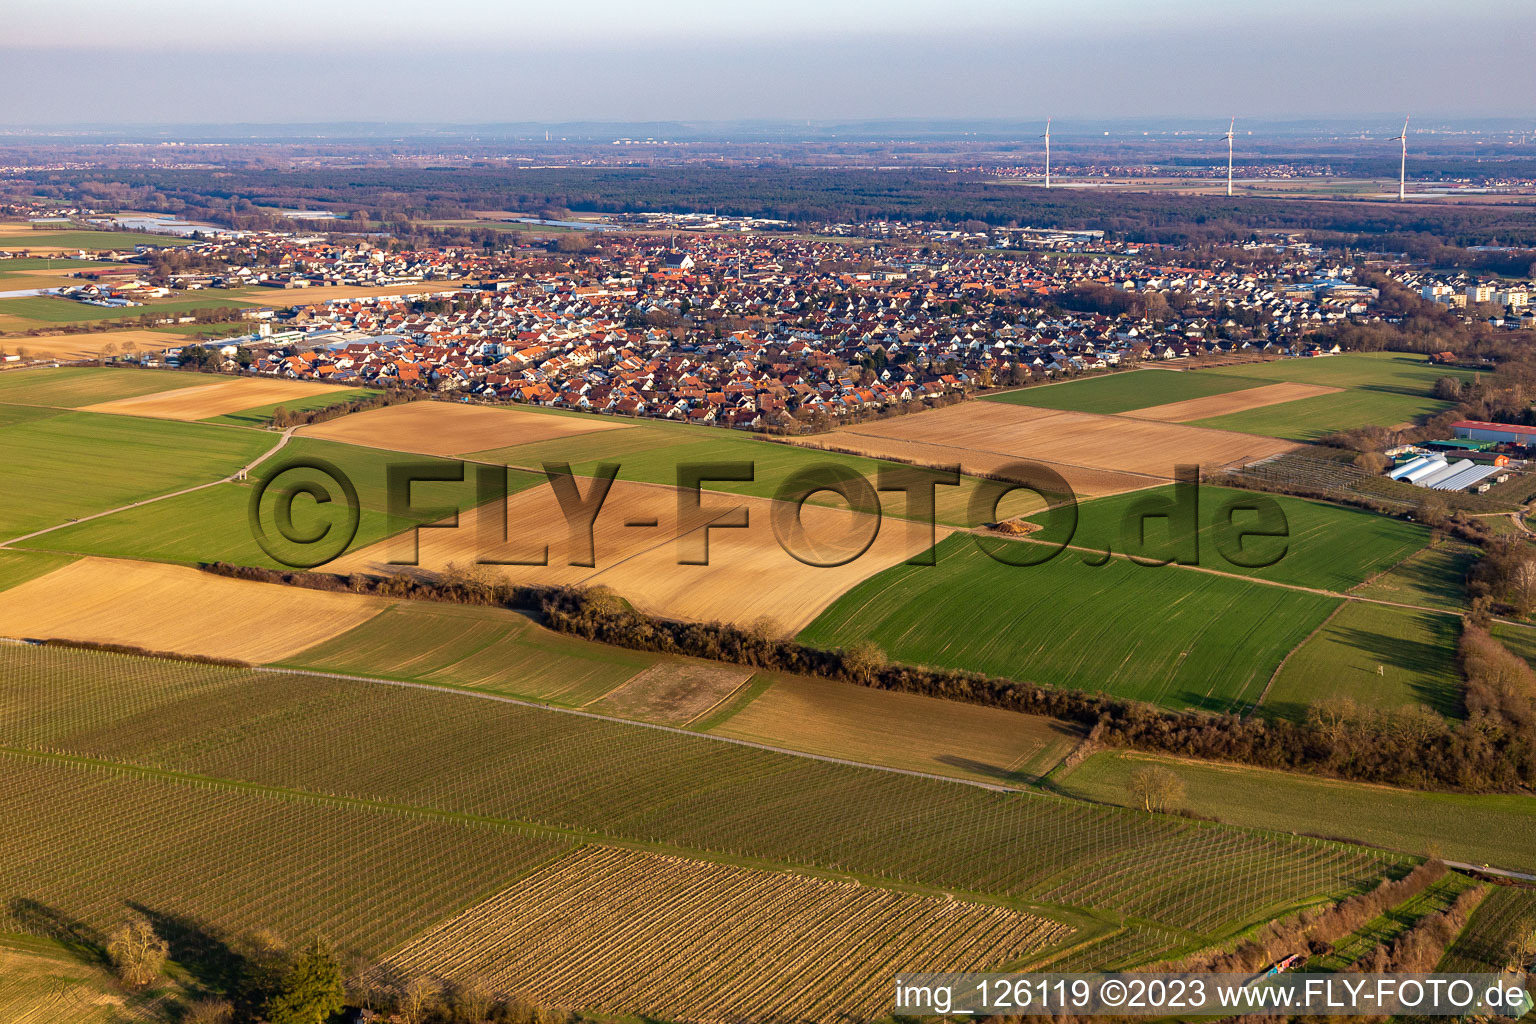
[(1047, 138), (1229, 156), (1402, 171)]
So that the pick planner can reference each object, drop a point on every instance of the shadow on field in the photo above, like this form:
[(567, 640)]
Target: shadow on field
[(213, 964), (991, 771), (77, 938)]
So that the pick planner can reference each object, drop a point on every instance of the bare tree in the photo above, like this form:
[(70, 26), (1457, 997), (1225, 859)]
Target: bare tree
[(1522, 586), (138, 955), (1156, 788)]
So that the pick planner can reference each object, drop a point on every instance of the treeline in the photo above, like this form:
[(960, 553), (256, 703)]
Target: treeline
[(1408, 747), (1312, 931), (387, 195), (284, 418)]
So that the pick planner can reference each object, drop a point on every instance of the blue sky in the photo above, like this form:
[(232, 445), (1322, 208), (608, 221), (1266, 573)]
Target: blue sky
[(477, 61)]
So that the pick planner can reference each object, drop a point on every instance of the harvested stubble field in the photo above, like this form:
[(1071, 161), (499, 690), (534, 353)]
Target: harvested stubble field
[(902, 730), (673, 692), (89, 845), (450, 751), (677, 939), (443, 428), (1230, 402), (1096, 454), (640, 537), (93, 344), (176, 608), (1164, 634), (216, 399)]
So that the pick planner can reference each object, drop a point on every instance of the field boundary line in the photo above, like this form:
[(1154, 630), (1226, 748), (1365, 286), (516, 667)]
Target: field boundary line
[(1299, 645)]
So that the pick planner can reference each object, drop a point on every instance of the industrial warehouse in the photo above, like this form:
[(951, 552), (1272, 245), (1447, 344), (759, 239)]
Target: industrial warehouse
[(1478, 457)]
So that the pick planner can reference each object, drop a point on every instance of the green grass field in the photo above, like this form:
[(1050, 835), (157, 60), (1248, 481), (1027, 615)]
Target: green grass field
[(1478, 829), (213, 524), (261, 415), (1378, 655), (1433, 577), (69, 387), (431, 755), (1326, 546), (485, 648), (1160, 634), (90, 241), (23, 266), (1381, 389), (17, 567), (1519, 639), (79, 463), (43, 310), (1124, 391)]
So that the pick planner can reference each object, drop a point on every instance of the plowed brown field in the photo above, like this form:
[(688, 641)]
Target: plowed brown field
[(443, 428)]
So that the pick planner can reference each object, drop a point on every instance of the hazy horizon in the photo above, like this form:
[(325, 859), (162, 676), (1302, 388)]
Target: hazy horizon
[(163, 62)]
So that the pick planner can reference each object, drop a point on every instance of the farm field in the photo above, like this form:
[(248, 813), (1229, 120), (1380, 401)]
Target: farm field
[(1492, 829), (685, 940), (1380, 388), (13, 237), (443, 428), (653, 452), (1520, 640), (317, 738), (901, 730), (748, 575), (673, 692), (1484, 944), (43, 986), (487, 649), (94, 344), (261, 415), (175, 608), (1096, 454), (1231, 402), (368, 877), (1331, 547), (1123, 390), (20, 566), (1433, 577), (1377, 655), (70, 387), (1160, 634), (77, 463), (217, 399), (213, 524), (19, 314)]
